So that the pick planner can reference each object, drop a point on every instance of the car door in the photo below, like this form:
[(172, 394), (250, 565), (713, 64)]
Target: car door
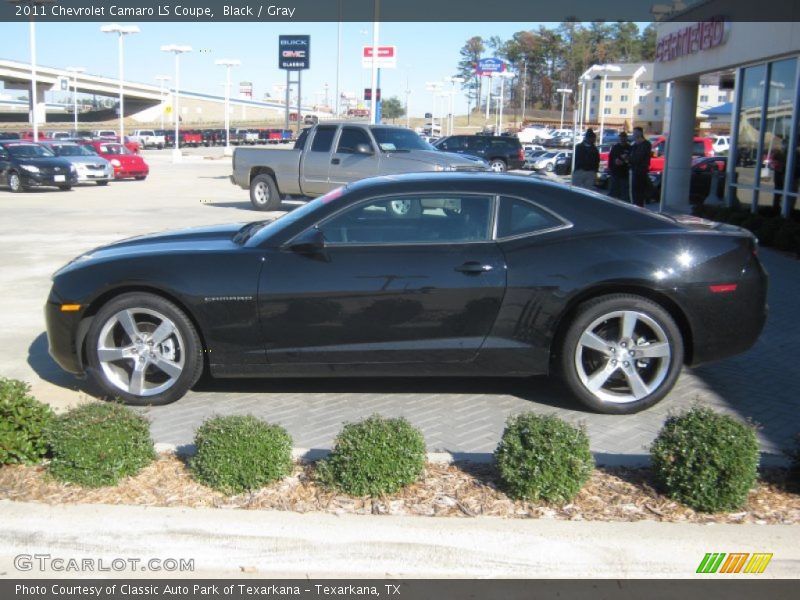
[(347, 163), (317, 161), (425, 287)]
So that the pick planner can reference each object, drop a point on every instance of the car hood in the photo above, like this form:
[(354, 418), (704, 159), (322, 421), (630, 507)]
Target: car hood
[(86, 160), (45, 162), (196, 239), (125, 159)]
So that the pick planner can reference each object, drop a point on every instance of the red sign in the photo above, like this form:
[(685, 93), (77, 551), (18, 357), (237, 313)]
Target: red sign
[(386, 59), (692, 39), (383, 51)]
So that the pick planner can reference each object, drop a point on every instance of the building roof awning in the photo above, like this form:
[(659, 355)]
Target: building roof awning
[(721, 110)]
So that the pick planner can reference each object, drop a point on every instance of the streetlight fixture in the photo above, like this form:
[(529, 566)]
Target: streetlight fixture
[(564, 92), (75, 71), (453, 81), (227, 63), (161, 79), (121, 31), (578, 126), (605, 70), (177, 50)]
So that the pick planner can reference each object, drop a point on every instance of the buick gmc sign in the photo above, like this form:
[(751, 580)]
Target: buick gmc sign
[(293, 52), (692, 39)]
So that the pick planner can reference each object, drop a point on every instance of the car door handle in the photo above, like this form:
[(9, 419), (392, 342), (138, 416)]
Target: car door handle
[(473, 268), (335, 161)]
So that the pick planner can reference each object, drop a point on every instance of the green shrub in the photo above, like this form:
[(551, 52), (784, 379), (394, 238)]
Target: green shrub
[(543, 458), (240, 453), (705, 460), (23, 421), (98, 444), (375, 456), (793, 476)]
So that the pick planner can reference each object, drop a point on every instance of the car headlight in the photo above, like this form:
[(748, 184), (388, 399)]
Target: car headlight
[(30, 168), (115, 162)]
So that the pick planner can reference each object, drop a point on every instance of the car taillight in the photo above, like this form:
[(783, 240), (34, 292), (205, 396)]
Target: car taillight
[(723, 288), (521, 154)]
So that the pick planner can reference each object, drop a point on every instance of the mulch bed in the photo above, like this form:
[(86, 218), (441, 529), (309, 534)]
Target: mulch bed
[(460, 490)]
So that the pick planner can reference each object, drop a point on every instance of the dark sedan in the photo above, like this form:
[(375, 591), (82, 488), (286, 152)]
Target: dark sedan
[(478, 274), (24, 165)]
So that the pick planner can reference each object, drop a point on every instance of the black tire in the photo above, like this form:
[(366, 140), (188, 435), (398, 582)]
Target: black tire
[(180, 352), (101, 183), (15, 182), (140, 178), (624, 384), (65, 188), (264, 193), (498, 165)]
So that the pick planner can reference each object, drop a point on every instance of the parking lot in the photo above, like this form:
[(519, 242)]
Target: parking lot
[(465, 417)]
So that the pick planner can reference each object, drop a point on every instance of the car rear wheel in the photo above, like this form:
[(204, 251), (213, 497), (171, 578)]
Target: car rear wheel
[(264, 193), (143, 349), (621, 354), (101, 183), (498, 165), (549, 168), (65, 188), (140, 177), (15, 182)]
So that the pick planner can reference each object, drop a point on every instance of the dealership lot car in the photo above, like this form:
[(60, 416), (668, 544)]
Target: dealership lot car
[(126, 164), (89, 166), (24, 165), (481, 275)]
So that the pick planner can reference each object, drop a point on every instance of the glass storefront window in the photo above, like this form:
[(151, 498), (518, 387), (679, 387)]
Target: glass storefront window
[(776, 138), (752, 98)]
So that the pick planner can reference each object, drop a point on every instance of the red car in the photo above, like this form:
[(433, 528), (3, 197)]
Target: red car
[(126, 164)]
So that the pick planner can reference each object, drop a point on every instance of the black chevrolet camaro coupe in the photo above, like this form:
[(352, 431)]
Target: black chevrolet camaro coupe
[(413, 275)]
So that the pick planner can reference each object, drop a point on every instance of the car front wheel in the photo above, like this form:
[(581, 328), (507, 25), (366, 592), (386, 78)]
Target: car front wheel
[(621, 354), (143, 349), (264, 193), (15, 182), (498, 165)]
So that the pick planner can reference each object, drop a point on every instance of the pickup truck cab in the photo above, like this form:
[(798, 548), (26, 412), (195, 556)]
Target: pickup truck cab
[(148, 138), (329, 155)]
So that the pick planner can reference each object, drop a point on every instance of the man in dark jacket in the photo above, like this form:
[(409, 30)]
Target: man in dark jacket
[(640, 166), (618, 168), (587, 160)]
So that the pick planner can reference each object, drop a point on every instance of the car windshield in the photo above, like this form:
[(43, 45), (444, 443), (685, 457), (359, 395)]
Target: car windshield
[(75, 150), (391, 139), (548, 155), (114, 149), (28, 151)]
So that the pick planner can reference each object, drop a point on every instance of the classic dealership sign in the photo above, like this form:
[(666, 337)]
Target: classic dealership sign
[(692, 39)]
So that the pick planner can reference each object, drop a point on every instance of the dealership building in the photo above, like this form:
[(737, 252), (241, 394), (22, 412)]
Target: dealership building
[(759, 61)]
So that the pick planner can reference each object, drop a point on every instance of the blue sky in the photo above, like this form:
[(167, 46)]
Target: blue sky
[(426, 52)]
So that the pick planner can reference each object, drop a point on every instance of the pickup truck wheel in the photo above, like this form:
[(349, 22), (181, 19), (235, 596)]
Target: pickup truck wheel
[(264, 193)]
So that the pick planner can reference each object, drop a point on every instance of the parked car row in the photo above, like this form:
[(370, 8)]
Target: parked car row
[(64, 163)]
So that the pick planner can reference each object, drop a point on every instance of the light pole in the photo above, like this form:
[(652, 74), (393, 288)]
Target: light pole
[(177, 50), (75, 71), (161, 79), (408, 93), (453, 81), (227, 63), (121, 31), (564, 92), (605, 69), (576, 126), (434, 87), (503, 76)]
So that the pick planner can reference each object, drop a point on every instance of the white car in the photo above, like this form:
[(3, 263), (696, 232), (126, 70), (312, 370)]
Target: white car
[(548, 160), (721, 145), (531, 135)]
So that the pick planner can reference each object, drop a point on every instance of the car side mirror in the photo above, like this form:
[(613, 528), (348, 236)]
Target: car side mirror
[(364, 149), (309, 243)]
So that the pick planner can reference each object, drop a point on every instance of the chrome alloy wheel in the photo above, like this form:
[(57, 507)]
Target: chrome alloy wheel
[(623, 356), (261, 193), (141, 351)]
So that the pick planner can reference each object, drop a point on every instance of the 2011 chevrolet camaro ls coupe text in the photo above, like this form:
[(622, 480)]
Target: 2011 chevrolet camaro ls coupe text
[(444, 274)]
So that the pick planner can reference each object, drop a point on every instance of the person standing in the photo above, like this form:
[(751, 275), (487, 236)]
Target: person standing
[(641, 150), (618, 167), (587, 161)]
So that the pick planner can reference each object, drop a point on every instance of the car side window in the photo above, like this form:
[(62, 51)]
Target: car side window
[(520, 217), (350, 138), (453, 144), (415, 219), (323, 139)]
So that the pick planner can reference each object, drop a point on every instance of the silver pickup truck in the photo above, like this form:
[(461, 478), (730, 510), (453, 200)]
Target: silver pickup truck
[(332, 154)]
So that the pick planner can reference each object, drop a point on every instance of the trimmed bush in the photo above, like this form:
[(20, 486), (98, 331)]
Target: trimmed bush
[(771, 229), (240, 453), (705, 460), (98, 444), (543, 458), (23, 422), (375, 456)]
